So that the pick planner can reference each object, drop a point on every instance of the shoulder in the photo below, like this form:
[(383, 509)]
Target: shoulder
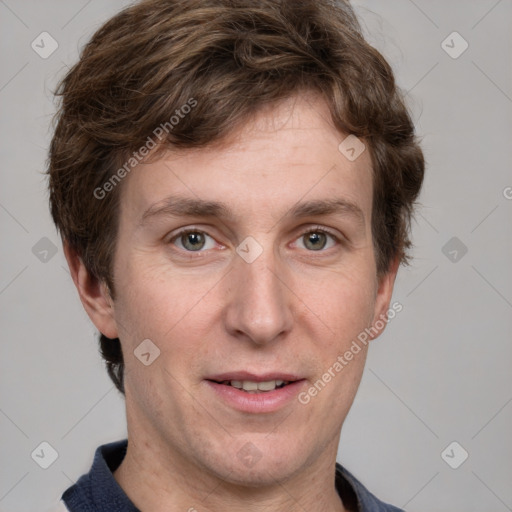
[(366, 501), (98, 490)]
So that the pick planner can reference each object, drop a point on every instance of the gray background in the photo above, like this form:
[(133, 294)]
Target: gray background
[(442, 370)]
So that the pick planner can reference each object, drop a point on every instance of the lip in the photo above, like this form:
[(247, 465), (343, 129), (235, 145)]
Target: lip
[(253, 377), (256, 403)]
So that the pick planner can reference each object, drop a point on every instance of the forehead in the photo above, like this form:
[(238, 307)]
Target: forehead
[(286, 154)]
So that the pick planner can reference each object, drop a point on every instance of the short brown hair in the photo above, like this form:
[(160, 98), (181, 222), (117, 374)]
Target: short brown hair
[(232, 57)]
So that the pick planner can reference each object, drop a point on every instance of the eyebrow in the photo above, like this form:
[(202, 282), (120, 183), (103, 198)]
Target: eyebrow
[(328, 207), (176, 206)]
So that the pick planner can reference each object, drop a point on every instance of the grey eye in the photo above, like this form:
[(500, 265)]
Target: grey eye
[(192, 240), (315, 240)]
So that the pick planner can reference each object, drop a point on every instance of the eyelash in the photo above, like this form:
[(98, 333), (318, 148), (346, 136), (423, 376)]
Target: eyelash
[(317, 229)]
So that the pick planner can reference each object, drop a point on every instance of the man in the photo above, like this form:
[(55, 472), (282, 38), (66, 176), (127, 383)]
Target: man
[(233, 182)]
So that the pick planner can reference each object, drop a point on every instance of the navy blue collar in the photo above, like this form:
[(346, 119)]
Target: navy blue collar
[(98, 490)]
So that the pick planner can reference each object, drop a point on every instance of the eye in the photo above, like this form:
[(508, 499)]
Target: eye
[(193, 240), (317, 239)]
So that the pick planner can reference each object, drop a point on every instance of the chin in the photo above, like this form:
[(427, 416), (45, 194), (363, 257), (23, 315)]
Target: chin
[(264, 475), (250, 466)]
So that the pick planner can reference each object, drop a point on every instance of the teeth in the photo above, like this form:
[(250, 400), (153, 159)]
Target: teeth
[(247, 385), (266, 386), (251, 386)]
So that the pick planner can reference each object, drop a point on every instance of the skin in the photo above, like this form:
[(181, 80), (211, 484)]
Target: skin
[(294, 309)]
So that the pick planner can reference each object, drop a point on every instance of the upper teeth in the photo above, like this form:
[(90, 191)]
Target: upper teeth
[(248, 385)]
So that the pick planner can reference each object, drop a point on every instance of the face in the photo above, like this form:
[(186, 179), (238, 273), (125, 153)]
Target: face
[(246, 265)]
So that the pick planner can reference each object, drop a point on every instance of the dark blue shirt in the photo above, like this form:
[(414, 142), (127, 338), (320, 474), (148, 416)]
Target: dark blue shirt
[(98, 490)]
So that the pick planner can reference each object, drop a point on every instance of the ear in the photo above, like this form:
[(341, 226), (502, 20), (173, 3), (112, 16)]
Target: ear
[(93, 293), (386, 283)]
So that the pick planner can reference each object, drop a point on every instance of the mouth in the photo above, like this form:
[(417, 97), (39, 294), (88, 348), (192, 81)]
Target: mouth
[(256, 393)]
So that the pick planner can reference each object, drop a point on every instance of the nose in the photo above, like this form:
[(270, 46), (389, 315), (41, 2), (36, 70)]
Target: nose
[(259, 302)]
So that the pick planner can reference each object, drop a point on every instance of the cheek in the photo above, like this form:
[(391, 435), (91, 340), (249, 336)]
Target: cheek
[(165, 306), (345, 310), (341, 302), (142, 311)]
